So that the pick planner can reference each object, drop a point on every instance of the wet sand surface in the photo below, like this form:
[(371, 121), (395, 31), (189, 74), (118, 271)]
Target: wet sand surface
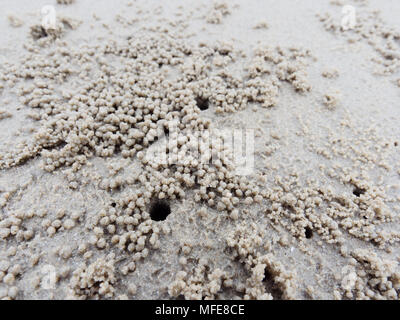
[(90, 209)]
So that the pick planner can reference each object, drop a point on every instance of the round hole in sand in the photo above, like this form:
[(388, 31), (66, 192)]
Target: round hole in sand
[(358, 192), (202, 103), (308, 232), (159, 210)]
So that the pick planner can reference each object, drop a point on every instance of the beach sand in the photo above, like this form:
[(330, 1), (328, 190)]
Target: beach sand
[(87, 210)]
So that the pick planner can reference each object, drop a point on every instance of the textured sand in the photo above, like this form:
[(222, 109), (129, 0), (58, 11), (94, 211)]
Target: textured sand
[(81, 105)]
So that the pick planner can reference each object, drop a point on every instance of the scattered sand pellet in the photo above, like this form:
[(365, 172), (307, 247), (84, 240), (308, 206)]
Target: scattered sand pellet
[(332, 99), (261, 25), (4, 114), (330, 73), (15, 21), (65, 1), (218, 12)]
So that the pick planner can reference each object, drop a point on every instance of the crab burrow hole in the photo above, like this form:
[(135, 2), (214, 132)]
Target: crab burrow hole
[(358, 191), (308, 232), (159, 210), (202, 103)]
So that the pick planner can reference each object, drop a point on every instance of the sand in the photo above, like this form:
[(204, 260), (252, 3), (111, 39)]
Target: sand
[(87, 210)]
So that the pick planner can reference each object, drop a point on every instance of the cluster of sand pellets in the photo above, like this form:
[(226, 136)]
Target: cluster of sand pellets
[(108, 125), (218, 12), (95, 216)]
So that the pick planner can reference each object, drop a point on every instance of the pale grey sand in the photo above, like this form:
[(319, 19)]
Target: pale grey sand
[(83, 205)]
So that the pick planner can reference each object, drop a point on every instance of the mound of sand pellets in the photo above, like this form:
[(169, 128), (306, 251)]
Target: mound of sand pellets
[(206, 150)]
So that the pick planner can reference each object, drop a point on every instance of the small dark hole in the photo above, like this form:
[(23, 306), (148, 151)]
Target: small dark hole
[(43, 33), (271, 286), (308, 232), (396, 144), (223, 52), (267, 275), (160, 65), (159, 210), (117, 149), (358, 192), (166, 131), (202, 103), (113, 204)]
